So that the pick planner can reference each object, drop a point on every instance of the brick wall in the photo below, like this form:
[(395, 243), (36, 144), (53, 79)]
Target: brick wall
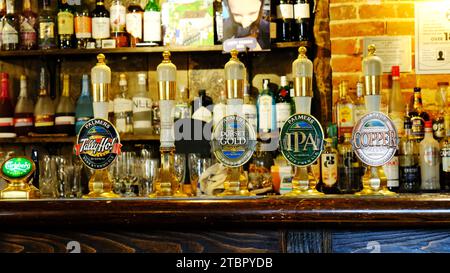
[(351, 20)]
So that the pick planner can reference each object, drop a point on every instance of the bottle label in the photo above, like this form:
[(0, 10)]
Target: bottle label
[(301, 11), (391, 171), (9, 35), (46, 30), (100, 28), (118, 20), (409, 174), (265, 113), (445, 154), (44, 121), (83, 27), (359, 112), (6, 122), (139, 124), (27, 32), (134, 24), (417, 130), (438, 128), (122, 105), (65, 23), (283, 111), (329, 169), (285, 11), (152, 26), (65, 120), (273, 32), (121, 125), (430, 156), (141, 104), (23, 122), (345, 115)]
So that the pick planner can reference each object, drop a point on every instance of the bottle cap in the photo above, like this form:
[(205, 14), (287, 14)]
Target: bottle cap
[(428, 124), (395, 71)]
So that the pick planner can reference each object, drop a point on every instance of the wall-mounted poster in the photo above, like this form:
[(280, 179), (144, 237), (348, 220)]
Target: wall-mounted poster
[(246, 25), (432, 37), (393, 50)]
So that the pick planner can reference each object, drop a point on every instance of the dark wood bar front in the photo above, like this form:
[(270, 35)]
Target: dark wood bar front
[(407, 223)]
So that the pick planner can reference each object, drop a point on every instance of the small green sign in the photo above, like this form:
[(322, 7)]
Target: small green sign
[(17, 167), (301, 139)]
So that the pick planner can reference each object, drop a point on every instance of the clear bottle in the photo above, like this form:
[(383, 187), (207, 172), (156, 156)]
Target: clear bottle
[(344, 110), (44, 111), (83, 25), (349, 167), (47, 26), (6, 109), (283, 103), (118, 23), (66, 30), (123, 108), (152, 23), (249, 110), (218, 22), (418, 116), (65, 111), (445, 160), (142, 108), (439, 121), (360, 106), (11, 28), (391, 170), (100, 23), (302, 19), (28, 27), (409, 169), (396, 102), (84, 110), (220, 108), (182, 107), (266, 109), (134, 21), (23, 114), (329, 159), (429, 161)]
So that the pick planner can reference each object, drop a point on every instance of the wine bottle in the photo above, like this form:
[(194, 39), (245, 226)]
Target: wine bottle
[(118, 23), (6, 109), (28, 27), (44, 111), (283, 103), (266, 109), (65, 25), (285, 21), (100, 23), (23, 114), (83, 110), (302, 29), (47, 26), (83, 26), (134, 22), (65, 111), (11, 28), (152, 23)]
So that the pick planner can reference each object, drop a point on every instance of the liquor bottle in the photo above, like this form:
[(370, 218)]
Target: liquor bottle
[(283, 102), (360, 106), (349, 167), (396, 102), (2, 14), (100, 23), (418, 116), (83, 110), (285, 21), (429, 160), (439, 121), (220, 108), (266, 109), (201, 106), (123, 108), (23, 114), (302, 15), (35, 158), (152, 23), (6, 109), (249, 109), (142, 108), (118, 23), (134, 21), (65, 25), (28, 27), (11, 28), (329, 159), (44, 111), (445, 160), (47, 26), (65, 111), (218, 21), (182, 108), (83, 25), (344, 110), (391, 170)]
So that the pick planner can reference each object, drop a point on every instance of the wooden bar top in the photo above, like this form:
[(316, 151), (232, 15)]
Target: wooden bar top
[(252, 212)]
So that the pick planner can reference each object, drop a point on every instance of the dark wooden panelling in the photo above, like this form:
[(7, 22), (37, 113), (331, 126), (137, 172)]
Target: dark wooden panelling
[(395, 241), (142, 241), (308, 241)]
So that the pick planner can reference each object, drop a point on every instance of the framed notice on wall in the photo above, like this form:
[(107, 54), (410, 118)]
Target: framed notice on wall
[(393, 50), (432, 37)]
